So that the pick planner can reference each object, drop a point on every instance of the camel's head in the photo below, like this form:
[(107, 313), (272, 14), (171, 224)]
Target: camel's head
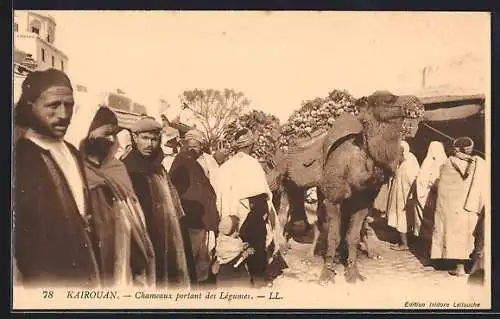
[(405, 110)]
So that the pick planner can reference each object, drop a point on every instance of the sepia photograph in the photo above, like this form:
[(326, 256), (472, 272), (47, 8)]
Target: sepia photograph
[(251, 160)]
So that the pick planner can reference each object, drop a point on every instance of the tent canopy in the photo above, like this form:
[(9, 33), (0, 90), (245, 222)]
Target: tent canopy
[(448, 117), (439, 99), (446, 103), (453, 113), (450, 112)]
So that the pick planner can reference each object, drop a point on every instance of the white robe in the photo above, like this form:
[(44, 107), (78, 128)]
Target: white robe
[(210, 167), (238, 179), (399, 193), (426, 183), (459, 202)]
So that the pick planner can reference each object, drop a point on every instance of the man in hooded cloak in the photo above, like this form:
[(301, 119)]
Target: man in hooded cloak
[(123, 248)]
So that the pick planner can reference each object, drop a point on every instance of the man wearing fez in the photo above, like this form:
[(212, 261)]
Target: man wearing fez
[(123, 248), (160, 203), (52, 227), (249, 228)]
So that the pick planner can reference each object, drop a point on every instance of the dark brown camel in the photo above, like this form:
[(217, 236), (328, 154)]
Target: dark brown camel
[(357, 156)]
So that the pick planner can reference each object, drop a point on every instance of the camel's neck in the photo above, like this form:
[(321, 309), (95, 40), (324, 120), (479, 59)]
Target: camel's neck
[(382, 141)]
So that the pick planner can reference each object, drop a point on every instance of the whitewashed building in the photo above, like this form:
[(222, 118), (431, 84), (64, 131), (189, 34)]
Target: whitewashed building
[(35, 34), (34, 49)]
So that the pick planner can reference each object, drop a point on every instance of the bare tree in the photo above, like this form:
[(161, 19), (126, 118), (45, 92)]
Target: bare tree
[(214, 109)]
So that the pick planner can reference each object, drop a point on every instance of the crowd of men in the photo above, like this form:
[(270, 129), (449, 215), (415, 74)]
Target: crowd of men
[(440, 204), (87, 214), (90, 212)]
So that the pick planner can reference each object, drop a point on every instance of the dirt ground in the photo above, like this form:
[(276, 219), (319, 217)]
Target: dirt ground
[(393, 266)]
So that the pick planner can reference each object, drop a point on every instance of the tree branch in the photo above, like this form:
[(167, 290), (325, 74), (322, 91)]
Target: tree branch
[(214, 109)]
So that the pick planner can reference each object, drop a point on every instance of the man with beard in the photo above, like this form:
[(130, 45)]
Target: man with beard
[(52, 229), (123, 249), (159, 201), (199, 204), (195, 141)]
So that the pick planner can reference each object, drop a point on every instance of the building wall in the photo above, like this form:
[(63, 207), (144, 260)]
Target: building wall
[(468, 72), (24, 21), (39, 44), (27, 42), (50, 58)]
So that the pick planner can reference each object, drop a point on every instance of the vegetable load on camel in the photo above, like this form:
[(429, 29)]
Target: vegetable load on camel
[(265, 128), (315, 117), (311, 121), (348, 164), (301, 138)]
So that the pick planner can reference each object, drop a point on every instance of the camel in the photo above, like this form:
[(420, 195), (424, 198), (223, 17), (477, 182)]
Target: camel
[(348, 165)]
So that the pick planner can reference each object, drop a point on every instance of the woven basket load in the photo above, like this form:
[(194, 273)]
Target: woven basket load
[(304, 160)]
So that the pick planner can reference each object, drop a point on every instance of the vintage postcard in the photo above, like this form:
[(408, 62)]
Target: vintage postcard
[(251, 160)]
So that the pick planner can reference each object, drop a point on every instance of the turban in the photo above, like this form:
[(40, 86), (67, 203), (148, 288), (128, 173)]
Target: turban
[(39, 81), (146, 124), (195, 135), (244, 139), (104, 116), (463, 145)]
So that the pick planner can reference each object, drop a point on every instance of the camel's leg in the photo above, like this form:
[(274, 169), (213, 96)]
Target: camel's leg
[(282, 214), (353, 238), (317, 247), (277, 194), (287, 209), (297, 223), (312, 250), (296, 206), (333, 239)]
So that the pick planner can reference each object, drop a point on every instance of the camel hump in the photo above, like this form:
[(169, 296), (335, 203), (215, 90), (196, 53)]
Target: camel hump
[(345, 125)]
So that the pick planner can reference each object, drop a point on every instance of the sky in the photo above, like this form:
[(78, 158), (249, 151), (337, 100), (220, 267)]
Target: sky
[(277, 59)]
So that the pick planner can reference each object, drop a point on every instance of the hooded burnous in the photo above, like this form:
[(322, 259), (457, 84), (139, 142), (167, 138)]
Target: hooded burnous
[(123, 248)]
